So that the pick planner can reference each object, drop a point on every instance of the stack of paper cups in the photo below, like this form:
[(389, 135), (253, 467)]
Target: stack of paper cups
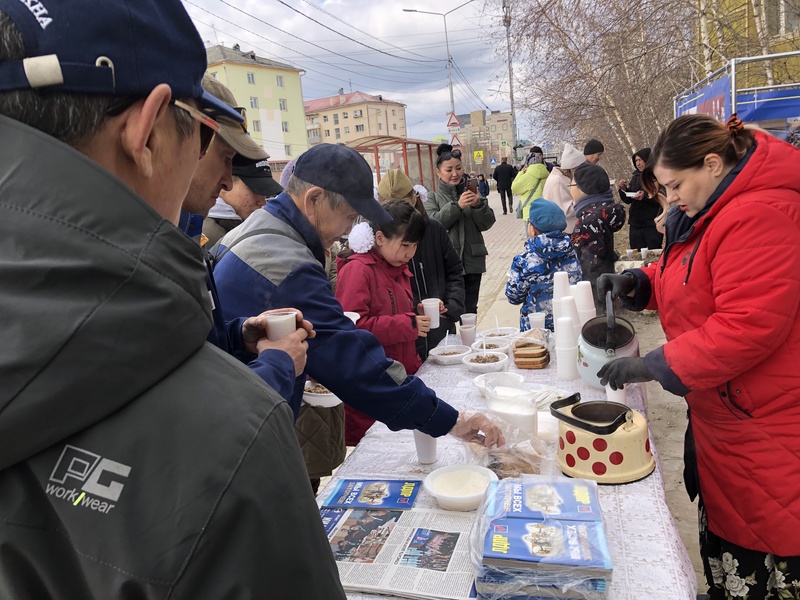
[(560, 289), (573, 290), (584, 300), (566, 349), (569, 309)]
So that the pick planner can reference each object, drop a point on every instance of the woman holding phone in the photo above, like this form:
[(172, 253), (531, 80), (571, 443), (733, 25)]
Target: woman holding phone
[(457, 205)]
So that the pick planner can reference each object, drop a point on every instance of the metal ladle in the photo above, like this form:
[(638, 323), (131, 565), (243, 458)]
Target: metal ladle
[(612, 325)]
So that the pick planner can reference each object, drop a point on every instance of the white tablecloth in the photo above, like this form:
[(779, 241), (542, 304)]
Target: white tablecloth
[(650, 560)]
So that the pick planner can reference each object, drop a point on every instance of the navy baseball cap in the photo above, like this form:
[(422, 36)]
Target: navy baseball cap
[(115, 47), (339, 169)]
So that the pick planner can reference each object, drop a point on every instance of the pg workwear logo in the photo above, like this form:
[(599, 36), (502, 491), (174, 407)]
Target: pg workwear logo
[(88, 480)]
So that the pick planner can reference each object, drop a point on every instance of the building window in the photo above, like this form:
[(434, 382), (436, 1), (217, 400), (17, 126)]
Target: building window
[(494, 128), (336, 133), (285, 126), (394, 126), (380, 126), (253, 102), (347, 130), (783, 17), (287, 149), (327, 133), (251, 78), (358, 114), (393, 113), (344, 115), (359, 128), (279, 80), (282, 104), (336, 119), (256, 125), (505, 126), (324, 118)]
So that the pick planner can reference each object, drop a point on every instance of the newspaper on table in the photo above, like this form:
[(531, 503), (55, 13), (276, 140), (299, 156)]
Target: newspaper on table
[(419, 553)]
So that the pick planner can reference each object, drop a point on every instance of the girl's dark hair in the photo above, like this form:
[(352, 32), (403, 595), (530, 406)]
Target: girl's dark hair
[(406, 221), (446, 152), (686, 142)]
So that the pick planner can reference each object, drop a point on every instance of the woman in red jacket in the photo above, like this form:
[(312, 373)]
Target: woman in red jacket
[(727, 288), (374, 281)]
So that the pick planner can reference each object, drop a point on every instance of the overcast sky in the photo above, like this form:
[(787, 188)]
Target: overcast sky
[(407, 61)]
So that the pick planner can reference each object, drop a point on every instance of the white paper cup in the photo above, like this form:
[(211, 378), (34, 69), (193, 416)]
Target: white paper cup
[(469, 319), (279, 325), (431, 308), (426, 447), (629, 253), (585, 315), (560, 289), (565, 333), (468, 333), (536, 320), (567, 363), (616, 395), (584, 297), (569, 309), (644, 253)]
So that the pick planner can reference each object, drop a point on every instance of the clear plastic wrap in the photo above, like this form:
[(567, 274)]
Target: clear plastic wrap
[(540, 537)]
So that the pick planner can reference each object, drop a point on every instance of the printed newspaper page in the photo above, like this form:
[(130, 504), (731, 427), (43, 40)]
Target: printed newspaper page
[(421, 553)]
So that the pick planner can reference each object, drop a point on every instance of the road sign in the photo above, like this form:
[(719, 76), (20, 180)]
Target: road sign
[(478, 156), (452, 121), (455, 142), (504, 143), (493, 161)]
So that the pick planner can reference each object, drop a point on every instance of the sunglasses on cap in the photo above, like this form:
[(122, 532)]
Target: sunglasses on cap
[(208, 126)]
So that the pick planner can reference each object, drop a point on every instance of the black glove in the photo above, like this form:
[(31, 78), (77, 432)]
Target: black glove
[(618, 285), (620, 371)]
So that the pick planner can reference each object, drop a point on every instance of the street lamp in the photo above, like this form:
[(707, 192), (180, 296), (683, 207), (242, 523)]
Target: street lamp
[(447, 45)]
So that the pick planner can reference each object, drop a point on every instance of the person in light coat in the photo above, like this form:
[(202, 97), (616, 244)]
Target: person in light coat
[(556, 188)]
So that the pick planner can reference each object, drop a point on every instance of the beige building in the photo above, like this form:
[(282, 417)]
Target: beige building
[(272, 94), (347, 117), (490, 134)]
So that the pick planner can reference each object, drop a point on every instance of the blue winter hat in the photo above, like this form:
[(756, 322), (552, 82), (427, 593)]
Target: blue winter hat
[(119, 48), (546, 216)]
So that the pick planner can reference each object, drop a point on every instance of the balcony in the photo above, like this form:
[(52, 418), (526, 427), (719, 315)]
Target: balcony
[(314, 139)]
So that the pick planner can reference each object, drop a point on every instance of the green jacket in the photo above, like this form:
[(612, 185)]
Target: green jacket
[(532, 180), (464, 226)]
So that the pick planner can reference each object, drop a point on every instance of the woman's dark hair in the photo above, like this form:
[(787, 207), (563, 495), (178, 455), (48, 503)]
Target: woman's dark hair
[(406, 221), (446, 152), (686, 142)]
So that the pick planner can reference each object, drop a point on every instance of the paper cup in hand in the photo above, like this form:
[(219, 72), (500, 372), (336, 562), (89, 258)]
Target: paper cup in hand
[(431, 308), (279, 325), (426, 447), (469, 319), (467, 334)]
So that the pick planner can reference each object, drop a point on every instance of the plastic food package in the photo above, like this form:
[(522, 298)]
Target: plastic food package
[(540, 537)]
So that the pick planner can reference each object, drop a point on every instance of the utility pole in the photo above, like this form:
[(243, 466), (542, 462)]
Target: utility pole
[(507, 23)]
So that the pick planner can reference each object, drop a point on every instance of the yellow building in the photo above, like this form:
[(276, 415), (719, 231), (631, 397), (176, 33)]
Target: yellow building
[(347, 117), (272, 94)]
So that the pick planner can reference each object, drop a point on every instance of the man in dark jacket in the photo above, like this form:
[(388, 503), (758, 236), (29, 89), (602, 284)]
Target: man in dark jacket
[(135, 459), (504, 174)]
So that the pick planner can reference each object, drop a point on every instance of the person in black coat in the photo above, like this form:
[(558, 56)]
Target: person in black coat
[(643, 209), (504, 174), (436, 269)]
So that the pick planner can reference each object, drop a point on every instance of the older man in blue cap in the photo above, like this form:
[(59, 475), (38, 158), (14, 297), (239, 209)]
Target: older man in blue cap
[(136, 461)]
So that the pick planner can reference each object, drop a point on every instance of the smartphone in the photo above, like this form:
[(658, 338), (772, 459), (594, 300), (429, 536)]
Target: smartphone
[(472, 184)]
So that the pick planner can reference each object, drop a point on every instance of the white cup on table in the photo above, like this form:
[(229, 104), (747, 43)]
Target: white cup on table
[(616, 395), (468, 333), (644, 253), (629, 253), (431, 308), (426, 448), (536, 320), (281, 324), (469, 319)]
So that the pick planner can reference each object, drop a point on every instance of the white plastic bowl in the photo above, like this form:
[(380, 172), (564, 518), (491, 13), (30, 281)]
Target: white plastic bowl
[(480, 380), (491, 367), (504, 333), (328, 400), (443, 484), (450, 359), (503, 344)]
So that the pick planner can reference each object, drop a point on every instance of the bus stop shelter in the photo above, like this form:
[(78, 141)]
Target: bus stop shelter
[(415, 157)]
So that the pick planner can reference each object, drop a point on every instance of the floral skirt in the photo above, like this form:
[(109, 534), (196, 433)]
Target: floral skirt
[(735, 572)]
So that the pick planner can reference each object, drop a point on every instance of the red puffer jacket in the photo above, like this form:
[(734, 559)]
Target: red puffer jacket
[(729, 297), (381, 294)]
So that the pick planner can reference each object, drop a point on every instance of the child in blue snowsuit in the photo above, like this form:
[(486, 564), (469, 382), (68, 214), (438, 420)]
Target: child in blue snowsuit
[(547, 250)]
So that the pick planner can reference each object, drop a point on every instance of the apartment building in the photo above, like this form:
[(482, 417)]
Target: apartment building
[(346, 117), (272, 94)]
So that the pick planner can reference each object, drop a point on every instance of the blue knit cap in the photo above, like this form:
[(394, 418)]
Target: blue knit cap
[(546, 216)]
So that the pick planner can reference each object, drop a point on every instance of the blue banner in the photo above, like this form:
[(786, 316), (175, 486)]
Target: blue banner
[(714, 100)]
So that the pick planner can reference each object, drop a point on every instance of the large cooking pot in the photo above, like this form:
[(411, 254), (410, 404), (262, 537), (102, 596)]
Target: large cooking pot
[(604, 441), (598, 344)]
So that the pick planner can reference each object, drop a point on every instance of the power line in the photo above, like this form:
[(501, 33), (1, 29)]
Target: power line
[(469, 85)]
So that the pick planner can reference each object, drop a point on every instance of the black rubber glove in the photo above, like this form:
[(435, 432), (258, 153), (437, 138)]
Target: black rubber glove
[(620, 371), (618, 285)]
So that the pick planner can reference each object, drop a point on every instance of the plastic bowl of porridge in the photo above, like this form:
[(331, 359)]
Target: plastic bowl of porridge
[(459, 487), (493, 345), (316, 394), (486, 362), (498, 333), (450, 355)]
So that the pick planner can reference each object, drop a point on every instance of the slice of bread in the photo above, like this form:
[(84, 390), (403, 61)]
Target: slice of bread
[(532, 362)]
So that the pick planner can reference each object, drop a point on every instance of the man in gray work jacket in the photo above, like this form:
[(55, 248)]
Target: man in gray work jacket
[(136, 461)]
